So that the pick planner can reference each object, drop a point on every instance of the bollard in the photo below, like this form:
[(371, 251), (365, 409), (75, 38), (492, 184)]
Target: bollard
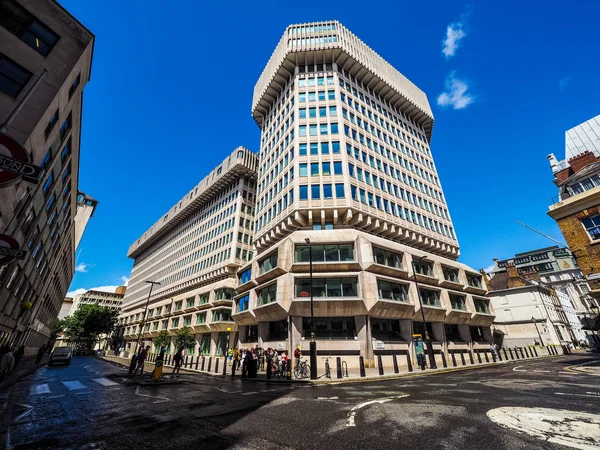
[(471, 357), (225, 366), (269, 367), (395, 364), (511, 353), (521, 351), (444, 363), (197, 361), (453, 358), (169, 360), (361, 362), (216, 365), (517, 353), (493, 356), (338, 363), (462, 359), (564, 348), (408, 363), (534, 351), (203, 359), (380, 364), (289, 370), (209, 363), (233, 369), (505, 357), (487, 360), (527, 352)]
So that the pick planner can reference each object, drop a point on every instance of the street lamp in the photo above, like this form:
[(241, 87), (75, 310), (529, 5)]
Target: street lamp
[(313, 343), (538, 331), (427, 337), (137, 343)]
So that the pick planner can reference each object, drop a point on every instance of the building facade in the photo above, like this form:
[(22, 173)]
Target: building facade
[(194, 251), (528, 312), (86, 206), (46, 50), (345, 165)]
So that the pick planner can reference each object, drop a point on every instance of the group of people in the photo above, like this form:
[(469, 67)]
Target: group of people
[(9, 358)]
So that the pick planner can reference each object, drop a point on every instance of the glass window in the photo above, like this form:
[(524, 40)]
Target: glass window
[(48, 184), (392, 291), (458, 302), (327, 287), (482, 305), (335, 146), (303, 113), (592, 226), (337, 168), (303, 192), (201, 318), (302, 149), (386, 329), (314, 148), (327, 192), (315, 191), (452, 332), (331, 95), (387, 258), (332, 252), (26, 27), (278, 330), (313, 130), (323, 111), (303, 170), (311, 96), (13, 77), (474, 280), (322, 96), (302, 130), (312, 112), (477, 334), (430, 297), (323, 128), (314, 169), (267, 294), (269, 263), (325, 148), (334, 129), (326, 168), (339, 190), (221, 315), (423, 267), (451, 274), (330, 327), (332, 111), (302, 97)]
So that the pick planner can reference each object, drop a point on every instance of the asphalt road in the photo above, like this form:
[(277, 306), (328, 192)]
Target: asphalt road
[(92, 404)]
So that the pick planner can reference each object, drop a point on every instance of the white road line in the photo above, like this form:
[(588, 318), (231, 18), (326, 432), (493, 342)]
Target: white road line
[(39, 389), (56, 396), (20, 416), (544, 371), (73, 385), (350, 422), (104, 381), (83, 393), (567, 373), (575, 395), (249, 393), (516, 369), (161, 399), (327, 398)]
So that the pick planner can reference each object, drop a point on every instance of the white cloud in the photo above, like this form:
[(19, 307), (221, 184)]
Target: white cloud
[(454, 34), (489, 268), (82, 267), (109, 288), (125, 280), (456, 93), (563, 83)]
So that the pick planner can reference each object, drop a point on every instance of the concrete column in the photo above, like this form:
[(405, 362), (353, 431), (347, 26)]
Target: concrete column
[(364, 338), (295, 332), (263, 331), (214, 336)]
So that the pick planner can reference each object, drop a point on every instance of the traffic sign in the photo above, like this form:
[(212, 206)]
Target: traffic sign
[(15, 163), (9, 250)]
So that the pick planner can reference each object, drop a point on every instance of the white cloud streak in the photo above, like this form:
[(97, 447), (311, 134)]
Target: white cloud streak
[(125, 280), (455, 95), (455, 33), (82, 267), (109, 288)]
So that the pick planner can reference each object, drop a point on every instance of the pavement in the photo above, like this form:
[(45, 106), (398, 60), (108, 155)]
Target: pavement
[(549, 403)]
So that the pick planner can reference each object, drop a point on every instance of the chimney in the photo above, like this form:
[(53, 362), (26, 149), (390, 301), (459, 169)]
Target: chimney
[(580, 161), (514, 279), (121, 290)]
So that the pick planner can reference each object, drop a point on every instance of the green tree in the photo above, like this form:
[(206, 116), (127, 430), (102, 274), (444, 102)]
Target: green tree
[(162, 340), (184, 338), (87, 323)]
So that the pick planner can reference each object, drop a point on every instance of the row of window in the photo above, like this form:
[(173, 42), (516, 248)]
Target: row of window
[(322, 129), (325, 169), (321, 191)]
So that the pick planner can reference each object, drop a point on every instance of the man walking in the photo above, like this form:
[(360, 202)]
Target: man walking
[(40, 354), (177, 360), (141, 360)]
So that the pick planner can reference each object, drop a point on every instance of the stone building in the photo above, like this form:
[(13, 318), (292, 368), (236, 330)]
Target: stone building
[(46, 52)]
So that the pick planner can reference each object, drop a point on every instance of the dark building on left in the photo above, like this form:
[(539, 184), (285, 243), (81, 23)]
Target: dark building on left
[(45, 62)]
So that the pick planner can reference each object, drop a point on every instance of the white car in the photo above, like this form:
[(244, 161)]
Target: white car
[(61, 355)]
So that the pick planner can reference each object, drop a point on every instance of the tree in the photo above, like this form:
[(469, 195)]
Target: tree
[(87, 323), (162, 340), (184, 338)]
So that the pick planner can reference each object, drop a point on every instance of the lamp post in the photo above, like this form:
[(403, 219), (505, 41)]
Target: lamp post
[(313, 343), (137, 343), (538, 331), (427, 337)]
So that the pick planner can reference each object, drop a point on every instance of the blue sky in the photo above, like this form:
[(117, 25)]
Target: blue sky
[(171, 91)]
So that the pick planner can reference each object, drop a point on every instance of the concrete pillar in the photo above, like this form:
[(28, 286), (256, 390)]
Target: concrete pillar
[(364, 338), (263, 333), (214, 336), (295, 332)]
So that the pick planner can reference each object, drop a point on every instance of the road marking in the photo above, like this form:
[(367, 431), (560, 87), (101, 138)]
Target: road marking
[(83, 393), (576, 395), (104, 381), (558, 426), (23, 414), (56, 396), (162, 399), (542, 371), (249, 393), (73, 385), (39, 389), (516, 369), (327, 398), (350, 422), (567, 373)]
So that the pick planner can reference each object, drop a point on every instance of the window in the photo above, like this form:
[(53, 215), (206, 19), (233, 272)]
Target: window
[(302, 130), (75, 85), (312, 112), (312, 130), (327, 287), (423, 267), (337, 168), (452, 332), (429, 297), (50, 203), (267, 294), (221, 315), (278, 330), (334, 129), (187, 321), (245, 276), (65, 127), (330, 327), (387, 258), (303, 113), (315, 191), (269, 263), (339, 190), (314, 169), (418, 329), (482, 305), (592, 226), (303, 170), (251, 333), (66, 151), (392, 291), (458, 302), (451, 274), (477, 334), (203, 298), (320, 253), (386, 329), (175, 322), (51, 123), (13, 78), (326, 168), (45, 164), (304, 192), (178, 305), (189, 302), (26, 27), (474, 280), (327, 192), (243, 302)]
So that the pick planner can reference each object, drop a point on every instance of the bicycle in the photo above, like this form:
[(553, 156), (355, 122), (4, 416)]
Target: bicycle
[(302, 370), (327, 368)]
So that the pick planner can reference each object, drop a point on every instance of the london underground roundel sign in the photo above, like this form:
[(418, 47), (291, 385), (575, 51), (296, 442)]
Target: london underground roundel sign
[(15, 163), (9, 250)]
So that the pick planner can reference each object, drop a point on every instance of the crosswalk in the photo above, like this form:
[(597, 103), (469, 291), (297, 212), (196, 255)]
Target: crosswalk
[(71, 385)]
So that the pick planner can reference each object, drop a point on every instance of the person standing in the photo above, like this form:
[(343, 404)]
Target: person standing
[(177, 360), (141, 360), (19, 354), (40, 354), (297, 356)]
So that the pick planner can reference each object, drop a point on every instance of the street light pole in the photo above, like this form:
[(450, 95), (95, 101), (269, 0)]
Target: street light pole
[(427, 337), (538, 331), (142, 323), (313, 343)]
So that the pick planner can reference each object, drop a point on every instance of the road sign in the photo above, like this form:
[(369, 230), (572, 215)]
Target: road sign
[(9, 250), (15, 163)]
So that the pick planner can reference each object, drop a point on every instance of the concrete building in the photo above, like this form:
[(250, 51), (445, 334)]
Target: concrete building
[(584, 137), (86, 206), (345, 163), (194, 251), (65, 308), (527, 312), (558, 269), (44, 48), (577, 207)]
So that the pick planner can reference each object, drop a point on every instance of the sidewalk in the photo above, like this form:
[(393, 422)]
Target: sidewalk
[(26, 367)]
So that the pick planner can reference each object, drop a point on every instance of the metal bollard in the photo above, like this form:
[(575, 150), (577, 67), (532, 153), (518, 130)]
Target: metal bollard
[(487, 359), (462, 358), (534, 351), (380, 364), (527, 352), (521, 350), (203, 359), (471, 357), (361, 362), (288, 370), (209, 363), (216, 365), (444, 363), (233, 368), (453, 359), (269, 367), (493, 356), (505, 356), (396, 370), (197, 361), (225, 366), (408, 363), (511, 353), (338, 363), (479, 357)]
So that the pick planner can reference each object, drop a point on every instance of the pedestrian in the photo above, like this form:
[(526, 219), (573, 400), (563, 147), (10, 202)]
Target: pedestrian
[(19, 354), (230, 355), (141, 360), (40, 354), (6, 361), (177, 360), (297, 355)]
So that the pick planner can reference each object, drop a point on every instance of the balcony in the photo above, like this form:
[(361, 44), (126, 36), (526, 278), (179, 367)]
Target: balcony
[(269, 275), (381, 269), (475, 285), (392, 309)]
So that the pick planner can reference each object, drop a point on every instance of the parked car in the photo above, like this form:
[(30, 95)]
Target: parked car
[(61, 355)]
